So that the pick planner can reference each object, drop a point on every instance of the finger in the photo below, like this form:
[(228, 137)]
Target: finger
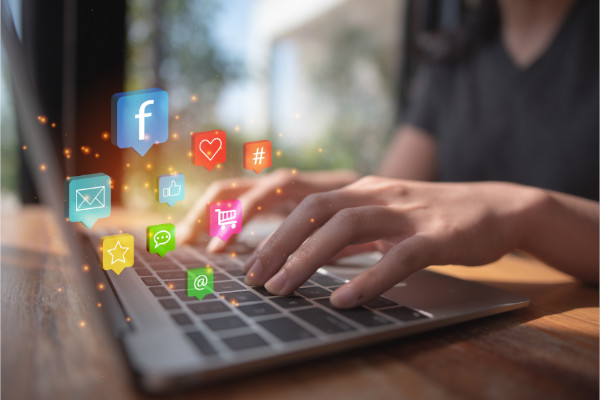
[(397, 264), (194, 221), (351, 225), (310, 214), (354, 249)]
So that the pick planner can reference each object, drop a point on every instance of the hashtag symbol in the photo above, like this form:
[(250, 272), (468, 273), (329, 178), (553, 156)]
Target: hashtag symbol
[(259, 155)]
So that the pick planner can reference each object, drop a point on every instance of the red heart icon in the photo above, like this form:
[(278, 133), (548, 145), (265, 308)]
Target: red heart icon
[(210, 148)]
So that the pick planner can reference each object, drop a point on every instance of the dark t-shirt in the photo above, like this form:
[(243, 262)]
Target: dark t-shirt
[(538, 126)]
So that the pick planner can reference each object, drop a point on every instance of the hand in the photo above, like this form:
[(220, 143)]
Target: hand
[(415, 224), (281, 190)]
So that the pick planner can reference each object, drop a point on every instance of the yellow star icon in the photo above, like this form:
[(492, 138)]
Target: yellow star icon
[(117, 252)]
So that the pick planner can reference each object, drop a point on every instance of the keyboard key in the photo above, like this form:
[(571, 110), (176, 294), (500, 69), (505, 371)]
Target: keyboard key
[(241, 297), (262, 290), (244, 342), (322, 320), (360, 315), (257, 310), (172, 275), (326, 280), (313, 292), (178, 284), (221, 324), (182, 294), (142, 271), (381, 302), (165, 267), (404, 314), (151, 281), (219, 276), (170, 304), (307, 284), (159, 291), (208, 307), (182, 319), (285, 329), (227, 286), (235, 271), (290, 301), (201, 343)]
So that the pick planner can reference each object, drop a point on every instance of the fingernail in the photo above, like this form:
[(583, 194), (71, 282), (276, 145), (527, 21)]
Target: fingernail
[(344, 297), (249, 262), (214, 245), (277, 283), (254, 275)]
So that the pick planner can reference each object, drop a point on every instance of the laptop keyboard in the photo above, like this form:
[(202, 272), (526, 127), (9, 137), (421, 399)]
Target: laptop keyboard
[(243, 317)]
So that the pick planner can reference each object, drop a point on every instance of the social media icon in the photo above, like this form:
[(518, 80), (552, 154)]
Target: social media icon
[(117, 252), (140, 119), (225, 218), (160, 239), (199, 282), (257, 155), (87, 198), (171, 188), (209, 148)]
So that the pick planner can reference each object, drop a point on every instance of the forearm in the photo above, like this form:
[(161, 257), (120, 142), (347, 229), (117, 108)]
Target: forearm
[(562, 231)]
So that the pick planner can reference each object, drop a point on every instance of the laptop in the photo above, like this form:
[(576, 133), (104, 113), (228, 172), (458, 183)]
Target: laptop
[(173, 342)]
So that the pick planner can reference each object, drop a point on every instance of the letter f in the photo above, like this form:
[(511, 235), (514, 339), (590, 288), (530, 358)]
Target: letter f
[(141, 115)]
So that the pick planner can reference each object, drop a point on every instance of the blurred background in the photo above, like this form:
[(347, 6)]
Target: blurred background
[(324, 80)]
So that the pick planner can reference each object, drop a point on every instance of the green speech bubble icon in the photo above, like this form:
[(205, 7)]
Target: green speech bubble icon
[(160, 239), (199, 282)]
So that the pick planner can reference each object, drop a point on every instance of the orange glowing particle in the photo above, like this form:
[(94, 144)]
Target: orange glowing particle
[(85, 268), (193, 98), (278, 191), (53, 124), (105, 135), (251, 274), (237, 128), (125, 187), (219, 166), (312, 220), (177, 117), (259, 208), (99, 305), (223, 296), (294, 171), (82, 324), (146, 185), (101, 286), (97, 155), (169, 218), (234, 302), (149, 166), (199, 221), (175, 135), (59, 289), (170, 169), (128, 319), (320, 150), (233, 184), (127, 165), (67, 219), (278, 153), (42, 119), (280, 134), (43, 167), (171, 286), (190, 154), (233, 254), (24, 147)]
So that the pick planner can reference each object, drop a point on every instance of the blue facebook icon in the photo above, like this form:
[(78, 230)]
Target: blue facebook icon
[(140, 119)]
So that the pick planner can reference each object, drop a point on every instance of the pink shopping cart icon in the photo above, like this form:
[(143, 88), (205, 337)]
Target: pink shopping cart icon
[(225, 218)]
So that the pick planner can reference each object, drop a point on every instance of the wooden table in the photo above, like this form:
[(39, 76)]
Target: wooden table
[(56, 345)]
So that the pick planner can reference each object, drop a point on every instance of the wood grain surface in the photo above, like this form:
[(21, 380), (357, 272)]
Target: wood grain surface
[(56, 344)]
